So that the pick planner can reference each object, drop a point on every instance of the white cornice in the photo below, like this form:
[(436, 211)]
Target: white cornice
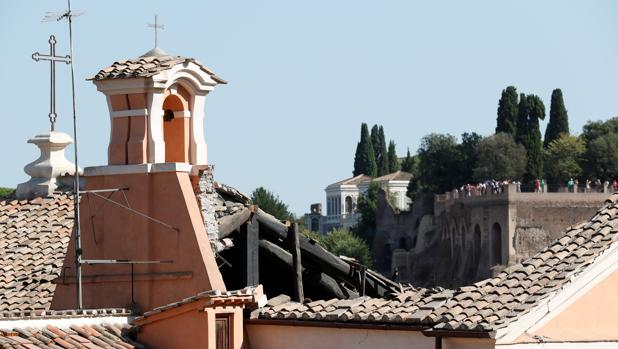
[(137, 168), (129, 85), (64, 321), (130, 112)]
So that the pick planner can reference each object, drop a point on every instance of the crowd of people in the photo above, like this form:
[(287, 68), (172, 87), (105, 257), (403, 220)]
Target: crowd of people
[(590, 186), (492, 186)]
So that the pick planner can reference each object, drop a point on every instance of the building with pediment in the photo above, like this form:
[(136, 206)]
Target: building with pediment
[(342, 200)]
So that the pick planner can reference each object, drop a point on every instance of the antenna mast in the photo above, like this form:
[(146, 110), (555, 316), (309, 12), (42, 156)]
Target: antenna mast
[(50, 16), (78, 238)]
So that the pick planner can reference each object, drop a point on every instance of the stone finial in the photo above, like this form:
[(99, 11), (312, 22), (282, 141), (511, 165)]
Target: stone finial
[(51, 171)]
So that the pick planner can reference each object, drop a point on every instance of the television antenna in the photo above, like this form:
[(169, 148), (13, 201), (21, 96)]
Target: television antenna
[(68, 16), (58, 16)]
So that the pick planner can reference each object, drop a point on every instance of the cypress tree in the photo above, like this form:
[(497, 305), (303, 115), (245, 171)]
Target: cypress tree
[(407, 164), (507, 111), (558, 118), (534, 145), (365, 159), (393, 161), (375, 142), (521, 130), (382, 154)]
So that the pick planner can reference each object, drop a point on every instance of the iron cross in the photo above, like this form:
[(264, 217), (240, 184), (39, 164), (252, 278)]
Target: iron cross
[(156, 26), (52, 58)]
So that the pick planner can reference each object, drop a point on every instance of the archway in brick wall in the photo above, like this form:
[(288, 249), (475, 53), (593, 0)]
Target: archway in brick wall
[(496, 244), (476, 245)]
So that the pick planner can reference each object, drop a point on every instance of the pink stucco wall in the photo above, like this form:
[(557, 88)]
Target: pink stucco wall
[(592, 317)]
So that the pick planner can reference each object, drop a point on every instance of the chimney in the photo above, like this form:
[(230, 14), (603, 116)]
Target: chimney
[(51, 172)]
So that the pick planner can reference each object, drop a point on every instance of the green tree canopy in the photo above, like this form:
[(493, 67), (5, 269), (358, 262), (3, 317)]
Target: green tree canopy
[(507, 111), (531, 110), (346, 243), (534, 147), (410, 163), (270, 203), (5, 191), (598, 159), (365, 159), (375, 141), (382, 154), (558, 118), (595, 129), (440, 163), (563, 157), (413, 189), (499, 157), (393, 160), (602, 157), (469, 142), (367, 206), (521, 131)]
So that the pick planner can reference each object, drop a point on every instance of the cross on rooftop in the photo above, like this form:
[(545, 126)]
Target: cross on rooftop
[(156, 26), (53, 59)]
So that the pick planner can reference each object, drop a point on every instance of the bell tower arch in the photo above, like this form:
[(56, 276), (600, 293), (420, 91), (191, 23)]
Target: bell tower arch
[(156, 105)]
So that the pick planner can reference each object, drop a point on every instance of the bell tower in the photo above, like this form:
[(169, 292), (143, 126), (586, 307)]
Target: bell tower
[(141, 207), (156, 106)]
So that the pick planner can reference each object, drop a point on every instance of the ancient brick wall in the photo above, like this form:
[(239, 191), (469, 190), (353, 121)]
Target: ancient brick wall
[(462, 240)]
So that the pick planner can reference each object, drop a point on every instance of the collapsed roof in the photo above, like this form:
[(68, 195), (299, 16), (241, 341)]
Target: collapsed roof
[(35, 235)]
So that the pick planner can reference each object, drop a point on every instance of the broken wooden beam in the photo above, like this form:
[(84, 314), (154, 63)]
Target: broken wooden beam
[(310, 250), (324, 282), (249, 237), (297, 265), (312, 253), (229, 224)]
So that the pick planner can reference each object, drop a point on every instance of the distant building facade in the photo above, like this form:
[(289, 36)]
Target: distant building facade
[(342, 200)]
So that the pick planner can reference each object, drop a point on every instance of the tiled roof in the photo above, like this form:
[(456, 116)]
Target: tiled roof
[(395, 176), (353, 180), (486, 305), (362, 309), (147, 66), (246, 295), (57, 314), (34, 236), (73, 335)]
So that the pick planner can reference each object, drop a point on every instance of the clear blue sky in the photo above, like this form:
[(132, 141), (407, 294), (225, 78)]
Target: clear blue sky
[(303, 76)]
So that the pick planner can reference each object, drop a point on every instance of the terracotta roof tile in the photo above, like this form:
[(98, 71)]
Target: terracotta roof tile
[(395, 176), (144, 67), (353, 180), (488, 304), (34, 236), (106, 335)]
